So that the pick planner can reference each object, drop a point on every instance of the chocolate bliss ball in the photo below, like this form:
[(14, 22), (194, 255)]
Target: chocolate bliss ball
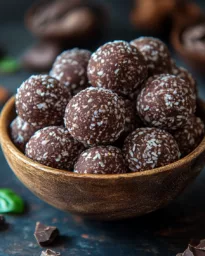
[(149, 148), (189, 137), (70, 68), (156, 54), (186, 76), (166, 102), (41, 101), (21, 132), (101, 160), (95, 116), (53, 146), (117, 66)]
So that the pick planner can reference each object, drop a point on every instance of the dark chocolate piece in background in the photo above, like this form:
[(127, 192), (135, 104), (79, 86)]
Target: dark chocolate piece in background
[(45, 235), (193, 38), (152, 15), (41, 56), (65, 20)]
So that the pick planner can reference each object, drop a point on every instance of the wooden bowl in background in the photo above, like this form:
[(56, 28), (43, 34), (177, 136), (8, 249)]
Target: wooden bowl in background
[(102, 197), (192, 58)]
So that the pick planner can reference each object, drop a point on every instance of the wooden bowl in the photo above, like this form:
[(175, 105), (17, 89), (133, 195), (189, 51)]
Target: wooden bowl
[(103, 197), (187, 14)]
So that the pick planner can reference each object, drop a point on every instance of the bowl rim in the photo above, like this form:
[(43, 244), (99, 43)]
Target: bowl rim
[(4, 136)]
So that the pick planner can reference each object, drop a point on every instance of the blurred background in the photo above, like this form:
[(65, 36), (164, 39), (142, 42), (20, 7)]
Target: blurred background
[(126, 19), (16, 38)]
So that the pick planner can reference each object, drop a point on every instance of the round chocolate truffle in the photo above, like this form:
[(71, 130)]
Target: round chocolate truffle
[(53, 146), (156, 54), (95, 116), (70, 68), (41, 101), (186, 76), (117, 66), (189, 137), (21, 132), (166, 102), (149, 148), (101, 160)]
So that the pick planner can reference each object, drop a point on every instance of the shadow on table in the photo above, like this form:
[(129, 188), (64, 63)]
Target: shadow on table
[(180, 222)]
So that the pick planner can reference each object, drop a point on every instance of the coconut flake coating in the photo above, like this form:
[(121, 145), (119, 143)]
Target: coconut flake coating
[(166, 102), (53, 146), (70, 68), (101, 160), (149, 148), (186, 76), (189, 137), (21, 132), (41, 101), (95, 116), (156, 54), (117, 66)]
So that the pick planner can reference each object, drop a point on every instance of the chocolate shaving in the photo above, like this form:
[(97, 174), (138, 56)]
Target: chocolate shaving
[(50, 253), (45, 235), (198, 250)]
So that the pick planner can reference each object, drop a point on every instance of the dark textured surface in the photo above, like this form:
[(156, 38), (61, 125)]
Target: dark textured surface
[(165, 232)]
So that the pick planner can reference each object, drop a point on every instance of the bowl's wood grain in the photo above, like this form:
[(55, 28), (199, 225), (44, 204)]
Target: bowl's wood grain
[(105, 197)]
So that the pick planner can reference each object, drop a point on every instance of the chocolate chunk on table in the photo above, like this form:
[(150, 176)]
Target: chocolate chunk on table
[(197, 250), (45, 235)]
